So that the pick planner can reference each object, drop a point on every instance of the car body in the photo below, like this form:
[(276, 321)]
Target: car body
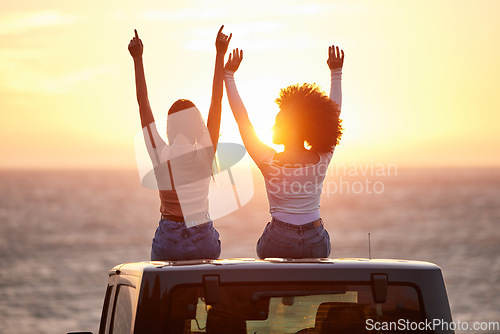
[(276, 296)]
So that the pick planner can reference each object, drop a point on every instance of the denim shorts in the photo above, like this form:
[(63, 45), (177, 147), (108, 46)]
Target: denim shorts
[(174, 241), (284, 240)]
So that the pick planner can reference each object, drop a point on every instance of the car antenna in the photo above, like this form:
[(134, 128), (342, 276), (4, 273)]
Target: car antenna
[(369, 246)]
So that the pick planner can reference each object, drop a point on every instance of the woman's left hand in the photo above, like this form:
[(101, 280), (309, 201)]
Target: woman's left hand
[(335, 57), (135, 46), (222, 41)]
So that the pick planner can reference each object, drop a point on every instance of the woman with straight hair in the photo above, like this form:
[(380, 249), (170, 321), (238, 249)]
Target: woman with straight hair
[(183, 167), (294, 177)]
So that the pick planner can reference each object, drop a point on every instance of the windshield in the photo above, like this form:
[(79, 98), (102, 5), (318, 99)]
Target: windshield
[(287, 308)]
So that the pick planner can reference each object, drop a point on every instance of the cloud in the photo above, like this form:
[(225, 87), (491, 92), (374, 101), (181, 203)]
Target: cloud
[(182, 14), (31, 80), (15, 23), (64, 83), (254, 35)]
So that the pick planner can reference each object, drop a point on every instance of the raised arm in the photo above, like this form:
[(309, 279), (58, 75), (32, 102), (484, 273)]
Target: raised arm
[(153, 141), (255, 147), (213, 121), (136, 48), (335, 62)]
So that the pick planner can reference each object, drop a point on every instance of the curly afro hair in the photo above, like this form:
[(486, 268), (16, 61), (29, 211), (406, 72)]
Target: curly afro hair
[(309, 110)]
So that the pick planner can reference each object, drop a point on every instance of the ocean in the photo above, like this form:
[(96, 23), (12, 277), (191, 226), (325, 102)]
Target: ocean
[(61, 231)]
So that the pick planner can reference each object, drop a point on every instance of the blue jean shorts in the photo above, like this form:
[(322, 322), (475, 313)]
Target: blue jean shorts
[(174, 241), (285, 240)]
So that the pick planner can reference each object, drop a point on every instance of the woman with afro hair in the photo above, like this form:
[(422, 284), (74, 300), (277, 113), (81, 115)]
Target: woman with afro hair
[(294, 177)]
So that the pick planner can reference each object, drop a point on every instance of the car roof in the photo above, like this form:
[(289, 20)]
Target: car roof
[(137, 268)]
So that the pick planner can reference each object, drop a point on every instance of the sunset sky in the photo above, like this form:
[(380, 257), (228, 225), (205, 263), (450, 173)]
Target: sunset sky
[(420, 79)]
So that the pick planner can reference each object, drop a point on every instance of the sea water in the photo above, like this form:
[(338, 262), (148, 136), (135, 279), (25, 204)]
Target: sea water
[(61, 231)]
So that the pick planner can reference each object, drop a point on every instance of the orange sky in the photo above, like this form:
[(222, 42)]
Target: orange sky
[(420, 80)]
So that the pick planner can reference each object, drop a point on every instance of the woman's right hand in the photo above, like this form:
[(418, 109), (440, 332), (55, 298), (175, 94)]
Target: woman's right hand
[(234, 60), (135, 47)]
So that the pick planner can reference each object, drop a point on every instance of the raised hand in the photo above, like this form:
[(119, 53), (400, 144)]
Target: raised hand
[(335, 58), (222, 41), (135, 46), (234, 60)]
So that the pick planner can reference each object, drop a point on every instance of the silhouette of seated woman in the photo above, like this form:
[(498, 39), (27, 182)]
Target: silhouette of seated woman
[(294, 177), (183, 167)]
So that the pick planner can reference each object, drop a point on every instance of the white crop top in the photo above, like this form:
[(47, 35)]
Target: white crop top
[(294, 192)]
